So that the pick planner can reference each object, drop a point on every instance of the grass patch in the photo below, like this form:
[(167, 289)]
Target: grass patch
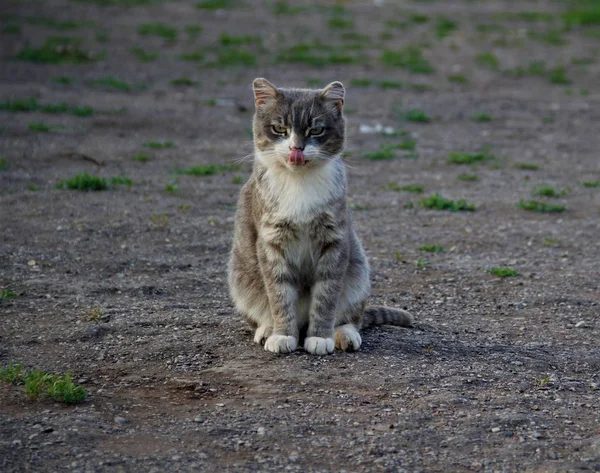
[(141, 157), (591, 184), (552, 37), (120, 181), (37, 383), (58, 50), (197, 55), (112, 83), (43, 127), (340, 22), (3, 165), (540, 207), (217, 4), (585, 14), (11, 29), (417, 116), (488, 61), (390, 84), (193, 31), (237, 180), (282, 7), (235, 57), (84, 182), (6, 293), (527, 166), (162, 30), (184, 81), (546, 190), (444, 27), (432, 248), (503, 272), (32, 105), (469, 158), (550, 242), (158, 144), (361, 82), (229, 40), (482, 117), (62, 80), (208, 169), (437, 202), (558, 76), (380, 155), (528, 16), (142, 55), (422, 263), (458, 78), (413, 188), (467, 177), (410, 58)]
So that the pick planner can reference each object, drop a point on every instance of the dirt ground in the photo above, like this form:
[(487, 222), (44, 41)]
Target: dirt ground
[(498, 374)]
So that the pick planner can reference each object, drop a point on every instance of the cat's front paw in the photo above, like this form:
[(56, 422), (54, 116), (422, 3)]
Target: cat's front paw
[(262, 333), (281, 343), (319, 346)]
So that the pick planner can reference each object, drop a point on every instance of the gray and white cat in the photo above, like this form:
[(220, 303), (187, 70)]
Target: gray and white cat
[(297, 269)]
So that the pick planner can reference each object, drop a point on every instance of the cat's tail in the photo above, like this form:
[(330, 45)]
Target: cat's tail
[(386, 315)]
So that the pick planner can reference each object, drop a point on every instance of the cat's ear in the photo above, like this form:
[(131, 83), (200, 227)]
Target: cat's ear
[(264, 92), (336, 93)]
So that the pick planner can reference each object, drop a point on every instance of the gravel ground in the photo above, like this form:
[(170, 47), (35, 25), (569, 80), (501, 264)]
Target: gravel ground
[(498, 374)]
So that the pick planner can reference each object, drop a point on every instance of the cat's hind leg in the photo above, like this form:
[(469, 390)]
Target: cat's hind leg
[(347, 338)]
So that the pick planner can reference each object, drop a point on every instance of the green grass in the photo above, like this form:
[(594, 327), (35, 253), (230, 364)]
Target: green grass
[(467, 177), (193, 31), (32, 105), (196, 55), (336, 22), (208, 169), (172, 187), (528, 16), (583, 14), (237, 180), (458, 78), (120, 181), (422, 263), (142, 55), (158, 144), (417, 116), (385, 154), (6, 293), (37, 383), (546, 190), (62, 80), (282, 7), (550, 242), (141, 157), (481, 117), (184, 81), (432, 248), (3, 165), (540, 207), (437, 202), (444, 27), (591, 184), (33, 187), (42, 127), (409, 57), (488, 61), (235, 57), (418, 18), (552, 37), (84, 182), (217, 4), (527, 166), (390, 84), (230, 40), (469, 158), (11, 29), (558, 76), (413, 188), (503, 272), (58, 50), (112, 83), (361, 82), (162, 30)]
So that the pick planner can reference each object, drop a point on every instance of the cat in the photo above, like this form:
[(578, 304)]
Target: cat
[(297, 270)]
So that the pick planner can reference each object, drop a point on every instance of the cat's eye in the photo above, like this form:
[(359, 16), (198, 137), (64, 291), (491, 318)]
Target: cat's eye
[(279, 129), (318, 130)]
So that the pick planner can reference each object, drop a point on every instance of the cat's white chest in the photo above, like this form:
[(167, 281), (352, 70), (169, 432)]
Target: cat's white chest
[(299, 197)]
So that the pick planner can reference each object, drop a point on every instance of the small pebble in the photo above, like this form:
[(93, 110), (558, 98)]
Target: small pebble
[(261, 431), (120, 420)]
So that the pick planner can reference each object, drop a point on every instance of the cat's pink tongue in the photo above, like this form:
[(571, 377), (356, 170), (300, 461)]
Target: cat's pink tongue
[(296, 156)]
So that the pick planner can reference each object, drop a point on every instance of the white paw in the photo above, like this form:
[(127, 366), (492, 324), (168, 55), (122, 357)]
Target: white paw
[(319, 346), (262, 333), (347, 338), (281, 343)]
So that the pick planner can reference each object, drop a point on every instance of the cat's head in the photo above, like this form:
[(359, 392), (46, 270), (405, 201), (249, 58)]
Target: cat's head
[(298, 128)]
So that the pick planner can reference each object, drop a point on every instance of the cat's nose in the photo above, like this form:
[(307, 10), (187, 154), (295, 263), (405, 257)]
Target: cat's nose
[(301, 148)]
